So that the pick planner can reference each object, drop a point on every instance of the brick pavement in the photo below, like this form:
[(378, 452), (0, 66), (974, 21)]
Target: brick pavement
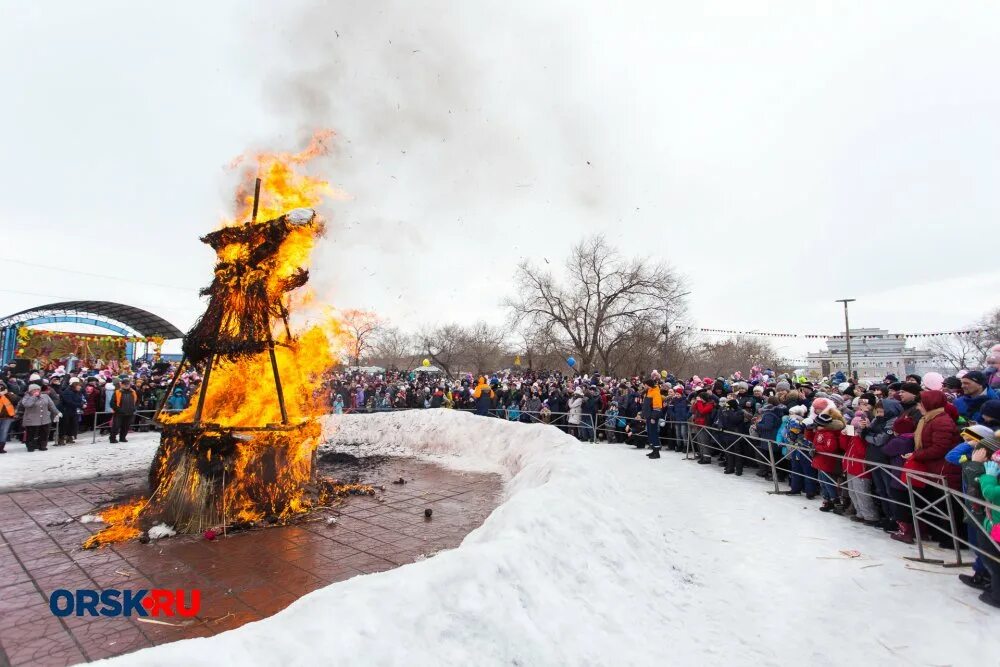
[(243, 577)]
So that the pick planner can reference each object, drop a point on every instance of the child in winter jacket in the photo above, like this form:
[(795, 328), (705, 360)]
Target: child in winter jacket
[(826, 441), (798, 449), (859, 483)]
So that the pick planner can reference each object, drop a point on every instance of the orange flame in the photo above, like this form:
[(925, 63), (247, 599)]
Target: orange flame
[(243, 393)]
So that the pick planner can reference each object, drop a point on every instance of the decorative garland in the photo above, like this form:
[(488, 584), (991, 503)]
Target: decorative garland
[(24, 335)]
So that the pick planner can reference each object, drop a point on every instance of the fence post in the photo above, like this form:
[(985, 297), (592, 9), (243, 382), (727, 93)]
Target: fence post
[(914, 517), (687, 451), (774, 466), (954, 528)]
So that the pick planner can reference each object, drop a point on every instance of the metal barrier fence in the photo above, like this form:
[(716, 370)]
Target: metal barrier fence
[(938, 511), (96, 422)]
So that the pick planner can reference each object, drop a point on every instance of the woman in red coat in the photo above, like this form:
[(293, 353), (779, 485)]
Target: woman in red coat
[(936, 435)]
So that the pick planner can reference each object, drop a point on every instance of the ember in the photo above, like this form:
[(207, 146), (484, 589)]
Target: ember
[(243, 453)]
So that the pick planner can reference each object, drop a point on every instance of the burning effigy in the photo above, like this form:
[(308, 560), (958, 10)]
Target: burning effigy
[(243, 453)]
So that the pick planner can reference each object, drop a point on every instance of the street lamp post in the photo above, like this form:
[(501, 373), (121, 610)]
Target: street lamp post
[(847, 336)]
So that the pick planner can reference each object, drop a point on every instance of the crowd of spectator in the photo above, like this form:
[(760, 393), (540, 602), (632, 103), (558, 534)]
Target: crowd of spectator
[(851, 443), (39, 408)]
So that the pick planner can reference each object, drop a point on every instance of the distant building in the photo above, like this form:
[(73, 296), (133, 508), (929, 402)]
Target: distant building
[(875, 353)]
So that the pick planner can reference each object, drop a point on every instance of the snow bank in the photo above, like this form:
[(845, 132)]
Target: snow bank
[(599, 556), (20, 468)]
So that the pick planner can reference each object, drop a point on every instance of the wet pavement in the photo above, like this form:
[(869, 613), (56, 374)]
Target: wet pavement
[(243, 577)]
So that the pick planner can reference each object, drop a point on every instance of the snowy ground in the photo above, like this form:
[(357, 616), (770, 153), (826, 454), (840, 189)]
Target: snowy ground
[(599, 556), (20, 468)]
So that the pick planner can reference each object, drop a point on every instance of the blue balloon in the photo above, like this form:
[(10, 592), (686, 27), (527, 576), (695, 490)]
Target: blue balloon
[(571, 361)]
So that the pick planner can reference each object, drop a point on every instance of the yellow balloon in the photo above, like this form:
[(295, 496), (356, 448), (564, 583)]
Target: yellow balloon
[(427, 362)]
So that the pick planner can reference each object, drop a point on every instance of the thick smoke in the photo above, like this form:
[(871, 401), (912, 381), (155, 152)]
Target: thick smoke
[(454, 120)]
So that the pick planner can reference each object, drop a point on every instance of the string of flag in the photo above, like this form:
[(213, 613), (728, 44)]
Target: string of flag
[(887, 336)]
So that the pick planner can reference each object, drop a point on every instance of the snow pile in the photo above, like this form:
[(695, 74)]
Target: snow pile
[(20, 468), (91, 518), (600, 556), (161, 530)]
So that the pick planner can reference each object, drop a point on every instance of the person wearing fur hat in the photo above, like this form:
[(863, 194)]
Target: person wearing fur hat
[(828, 422), (802, 476), (975, 392), (37, 412), (575, 405)]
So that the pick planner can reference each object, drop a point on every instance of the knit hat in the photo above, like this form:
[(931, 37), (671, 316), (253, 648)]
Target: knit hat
[(33, 387), (910, 388), (74, 380), (783, 385), (35, 377), (976, 376), (977, 433), (798, 410), (991, 409)]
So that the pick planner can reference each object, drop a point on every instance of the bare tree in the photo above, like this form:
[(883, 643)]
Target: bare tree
[(360, 326), (720, 358), (443, 345), (393, 348), (483, 348), (602, 300), (969, 349)]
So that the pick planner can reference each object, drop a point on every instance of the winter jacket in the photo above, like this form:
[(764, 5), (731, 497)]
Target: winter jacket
[(854, 448), (124, 401), (483, 396), (894, 450), (970, 406), (879, 431), (91, 396), (732, 420), (770, 422), (72, 402), (826, 441), (701, 412), (990, 488), (679, 410), (7, 407), (37, 410), (652, 403), (178, 401), (109, 393), (575, 409), (938, 437)]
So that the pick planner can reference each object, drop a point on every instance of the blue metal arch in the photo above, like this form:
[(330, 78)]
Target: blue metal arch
[(8, 335)]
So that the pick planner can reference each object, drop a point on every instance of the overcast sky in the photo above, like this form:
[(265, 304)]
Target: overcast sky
[(779, 157)]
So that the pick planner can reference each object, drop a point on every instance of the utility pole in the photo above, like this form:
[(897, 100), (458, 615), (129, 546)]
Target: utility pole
[(847, 336)]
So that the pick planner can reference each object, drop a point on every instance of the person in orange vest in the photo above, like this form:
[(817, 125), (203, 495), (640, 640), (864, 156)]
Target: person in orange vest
[(123, 405), (652, 407), (7, 412)]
